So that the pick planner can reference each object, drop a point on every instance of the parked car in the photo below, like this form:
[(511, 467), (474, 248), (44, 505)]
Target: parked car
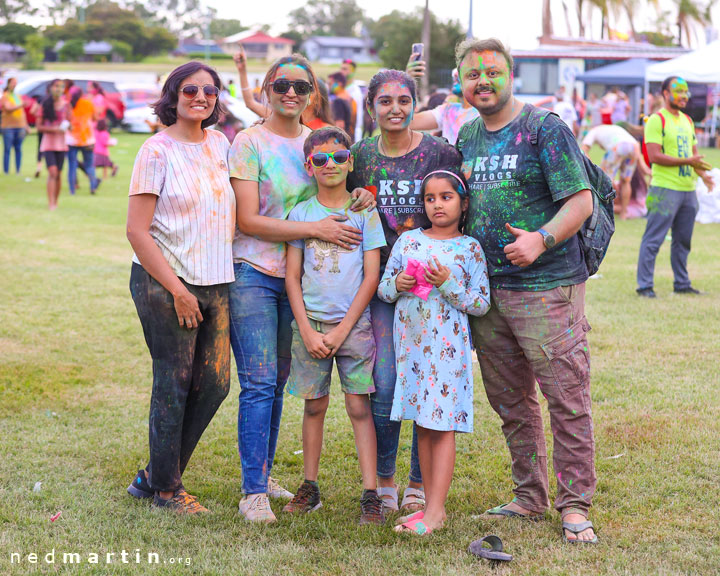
[(35, 89), (138, 95), (140, 119)]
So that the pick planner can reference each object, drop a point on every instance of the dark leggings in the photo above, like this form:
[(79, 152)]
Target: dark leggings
[(191, 372)]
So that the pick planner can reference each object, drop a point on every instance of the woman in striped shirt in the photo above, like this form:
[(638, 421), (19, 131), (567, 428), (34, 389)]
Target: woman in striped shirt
[(181, 220)]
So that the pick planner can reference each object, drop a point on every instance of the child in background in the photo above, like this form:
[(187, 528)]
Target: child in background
[(103, 141), (432, 339), (329, 289)]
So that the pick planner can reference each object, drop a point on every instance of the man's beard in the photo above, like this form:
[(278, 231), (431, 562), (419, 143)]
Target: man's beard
[(503, 99)]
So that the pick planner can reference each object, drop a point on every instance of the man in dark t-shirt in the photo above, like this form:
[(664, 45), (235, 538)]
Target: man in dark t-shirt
[(527, 202)]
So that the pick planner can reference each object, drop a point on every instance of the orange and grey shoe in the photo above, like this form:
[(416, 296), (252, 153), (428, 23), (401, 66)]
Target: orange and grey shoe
[(371, 506), (181, 502), (306, 500)]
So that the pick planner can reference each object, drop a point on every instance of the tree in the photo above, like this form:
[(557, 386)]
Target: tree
[(9, 9), (296, 37), (327, 18), (14, 33), (73, 50), (690, 13), (395, 33), (34, 52), (222, 27)]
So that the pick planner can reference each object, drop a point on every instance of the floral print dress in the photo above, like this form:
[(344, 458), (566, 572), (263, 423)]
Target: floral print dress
[(433, 351)]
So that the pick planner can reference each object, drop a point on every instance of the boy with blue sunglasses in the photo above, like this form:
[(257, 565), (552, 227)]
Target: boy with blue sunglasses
[(329, 288)]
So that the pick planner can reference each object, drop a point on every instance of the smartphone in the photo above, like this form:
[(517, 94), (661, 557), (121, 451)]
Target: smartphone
[(418, 51)]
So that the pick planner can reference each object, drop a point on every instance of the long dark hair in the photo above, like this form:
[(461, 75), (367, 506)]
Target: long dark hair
[(75, 95), (96, 86), (48, 104), (7, 84), (166, 107)]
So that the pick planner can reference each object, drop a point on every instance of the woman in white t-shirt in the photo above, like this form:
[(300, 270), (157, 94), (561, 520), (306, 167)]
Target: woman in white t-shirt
[(181, 221)]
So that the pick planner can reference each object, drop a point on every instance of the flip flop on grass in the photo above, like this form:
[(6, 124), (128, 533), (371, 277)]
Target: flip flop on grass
[(576, 528), (501, 511), (416, 527)]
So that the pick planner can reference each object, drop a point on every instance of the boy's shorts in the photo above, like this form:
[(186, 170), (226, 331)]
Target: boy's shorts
[(310, 377)]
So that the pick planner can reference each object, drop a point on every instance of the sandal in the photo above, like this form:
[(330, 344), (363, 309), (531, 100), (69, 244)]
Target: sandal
[(504, 512), (495, 552), (413, 500), (576, 528), (419, 515), (416, 526), (389, 496)]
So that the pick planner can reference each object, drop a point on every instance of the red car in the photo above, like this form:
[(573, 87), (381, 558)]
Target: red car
[(35, 89)]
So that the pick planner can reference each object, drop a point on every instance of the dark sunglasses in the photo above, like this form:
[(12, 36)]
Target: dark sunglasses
[(320, 159), (301, 87), (191, 90)]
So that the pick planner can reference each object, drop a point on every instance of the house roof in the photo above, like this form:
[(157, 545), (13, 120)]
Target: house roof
[(11, 48), (338, 41), (97, 47), (255, 38), (606, 50)]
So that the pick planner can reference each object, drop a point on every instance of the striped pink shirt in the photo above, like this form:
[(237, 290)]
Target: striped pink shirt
[(194, 219)]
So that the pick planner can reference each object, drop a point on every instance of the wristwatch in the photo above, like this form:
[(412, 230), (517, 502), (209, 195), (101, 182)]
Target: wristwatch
[(548, 239)]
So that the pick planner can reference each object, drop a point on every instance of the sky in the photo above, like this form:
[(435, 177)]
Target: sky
[(516, 22)]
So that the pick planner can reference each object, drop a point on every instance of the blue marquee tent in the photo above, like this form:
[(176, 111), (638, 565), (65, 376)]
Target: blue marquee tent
[(626, 73)]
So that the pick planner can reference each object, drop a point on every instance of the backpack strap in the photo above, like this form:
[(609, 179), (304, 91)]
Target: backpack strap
[(535, 121)]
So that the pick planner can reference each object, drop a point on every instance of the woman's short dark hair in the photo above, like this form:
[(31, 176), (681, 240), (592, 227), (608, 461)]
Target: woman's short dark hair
[(166, 107), (386, 76)]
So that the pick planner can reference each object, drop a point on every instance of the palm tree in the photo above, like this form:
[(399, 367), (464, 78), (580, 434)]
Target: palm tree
[(547, 26), (690, 13)]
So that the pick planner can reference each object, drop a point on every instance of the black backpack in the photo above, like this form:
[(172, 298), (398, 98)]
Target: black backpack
[(595, 233)]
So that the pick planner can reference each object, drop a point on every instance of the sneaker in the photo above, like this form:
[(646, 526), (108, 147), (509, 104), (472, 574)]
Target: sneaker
[(646, 292), (181, 502), (688, 290), (114, 170), (97, 185), (307, 499), (277, 491), (140, 487), (389, 497), (371, 506), (256, 508)]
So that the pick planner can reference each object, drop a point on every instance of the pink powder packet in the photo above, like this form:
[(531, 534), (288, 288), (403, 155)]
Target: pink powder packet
[(422, 287)]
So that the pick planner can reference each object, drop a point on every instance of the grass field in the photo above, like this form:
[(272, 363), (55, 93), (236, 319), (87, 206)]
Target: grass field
[(75, 379)]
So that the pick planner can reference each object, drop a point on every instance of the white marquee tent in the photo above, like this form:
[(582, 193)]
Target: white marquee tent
[(701, 66)]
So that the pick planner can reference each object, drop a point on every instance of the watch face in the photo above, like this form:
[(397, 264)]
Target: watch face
[(549, 240)]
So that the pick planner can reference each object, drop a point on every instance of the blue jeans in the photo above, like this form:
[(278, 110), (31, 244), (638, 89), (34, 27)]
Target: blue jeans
[(12, 139), (384, 374), (88, 166), (667, 209), (261, 337)]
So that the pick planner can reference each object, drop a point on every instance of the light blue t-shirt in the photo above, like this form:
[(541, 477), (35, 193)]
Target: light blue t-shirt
[(332, 275)]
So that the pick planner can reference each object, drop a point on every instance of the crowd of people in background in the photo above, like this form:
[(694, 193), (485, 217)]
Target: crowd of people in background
[(69, 124)]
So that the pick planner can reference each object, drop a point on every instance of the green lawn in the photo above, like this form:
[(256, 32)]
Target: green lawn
[(75, 380)]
